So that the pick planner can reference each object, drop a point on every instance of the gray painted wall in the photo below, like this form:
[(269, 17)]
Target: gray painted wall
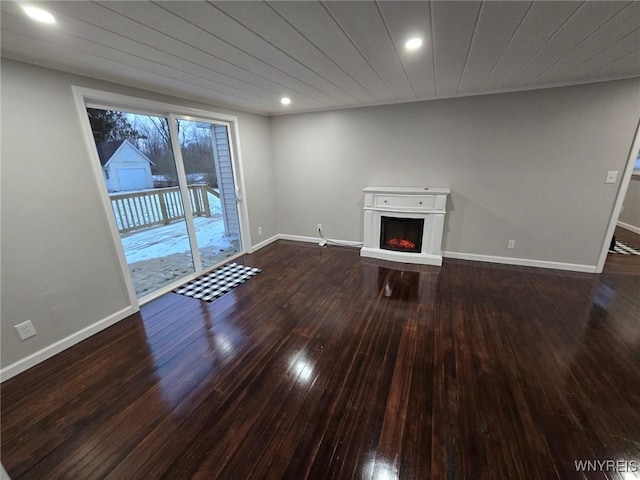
[(631, 211), (528, 166), (59, 266)]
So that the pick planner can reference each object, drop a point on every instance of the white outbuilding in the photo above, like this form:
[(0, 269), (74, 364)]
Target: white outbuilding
[(125, 168)]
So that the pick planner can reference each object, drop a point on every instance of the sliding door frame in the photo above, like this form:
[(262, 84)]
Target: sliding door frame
[(174, 137), (234, 170), (90, 98), (622, 192)]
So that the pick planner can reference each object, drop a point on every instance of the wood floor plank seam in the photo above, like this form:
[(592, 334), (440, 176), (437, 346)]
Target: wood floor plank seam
[(327, 365)]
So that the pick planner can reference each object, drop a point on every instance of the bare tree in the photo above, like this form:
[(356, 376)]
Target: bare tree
[(195, 145), (156, 145)]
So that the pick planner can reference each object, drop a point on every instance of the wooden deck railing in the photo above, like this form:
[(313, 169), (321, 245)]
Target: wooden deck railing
[(158, 206)]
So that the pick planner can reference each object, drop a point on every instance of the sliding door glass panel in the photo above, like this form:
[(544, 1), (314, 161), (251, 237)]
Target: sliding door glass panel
[(206, 155), (140, 173)]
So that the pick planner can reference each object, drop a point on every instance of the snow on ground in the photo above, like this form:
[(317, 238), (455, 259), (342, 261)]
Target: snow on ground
[(161, 254), (215, 205), (162, 241)]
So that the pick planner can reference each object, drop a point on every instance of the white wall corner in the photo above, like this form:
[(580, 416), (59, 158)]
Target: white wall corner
[(264, 243), (622, 192)]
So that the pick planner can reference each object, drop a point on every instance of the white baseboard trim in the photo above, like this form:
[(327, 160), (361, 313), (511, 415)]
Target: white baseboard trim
[(258, 246), (629, 227), (525, 262), (300, 238), (40, 356)]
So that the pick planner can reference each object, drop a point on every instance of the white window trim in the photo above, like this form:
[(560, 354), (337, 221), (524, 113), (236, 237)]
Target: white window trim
[(90, 98)]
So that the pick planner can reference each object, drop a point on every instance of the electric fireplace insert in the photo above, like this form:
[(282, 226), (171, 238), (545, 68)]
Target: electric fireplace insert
[(401, 234)]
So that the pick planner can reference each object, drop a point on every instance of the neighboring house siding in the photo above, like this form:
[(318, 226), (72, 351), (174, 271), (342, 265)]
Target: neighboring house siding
[(226, 184)]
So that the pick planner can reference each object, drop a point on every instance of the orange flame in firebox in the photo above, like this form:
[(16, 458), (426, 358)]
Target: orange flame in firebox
[(401, 243)]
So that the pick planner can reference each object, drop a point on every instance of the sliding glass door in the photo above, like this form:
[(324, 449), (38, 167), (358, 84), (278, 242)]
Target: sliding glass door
[(172, 192), (206, 155)]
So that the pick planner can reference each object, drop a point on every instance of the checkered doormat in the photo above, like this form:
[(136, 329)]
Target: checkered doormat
[(621, 247), (214, 284)]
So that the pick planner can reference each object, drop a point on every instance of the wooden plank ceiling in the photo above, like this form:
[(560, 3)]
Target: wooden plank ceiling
[(325, 55)]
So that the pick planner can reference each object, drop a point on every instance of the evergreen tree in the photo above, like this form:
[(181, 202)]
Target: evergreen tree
[(108, 125)]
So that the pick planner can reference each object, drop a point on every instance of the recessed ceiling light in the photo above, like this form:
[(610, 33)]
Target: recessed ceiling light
[(285, 100), (38, 14), (413, 44)]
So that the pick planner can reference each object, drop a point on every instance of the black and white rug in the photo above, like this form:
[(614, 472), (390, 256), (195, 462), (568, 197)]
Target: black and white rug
[(214, 284), (621, 247)]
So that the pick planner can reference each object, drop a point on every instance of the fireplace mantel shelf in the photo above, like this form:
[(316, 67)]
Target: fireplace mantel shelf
[(427, 203), (409, 190)]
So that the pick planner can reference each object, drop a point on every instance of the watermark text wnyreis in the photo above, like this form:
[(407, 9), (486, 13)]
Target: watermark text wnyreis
[(620, 466)]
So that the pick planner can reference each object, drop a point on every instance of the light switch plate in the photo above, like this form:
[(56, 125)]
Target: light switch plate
[(612, 176)]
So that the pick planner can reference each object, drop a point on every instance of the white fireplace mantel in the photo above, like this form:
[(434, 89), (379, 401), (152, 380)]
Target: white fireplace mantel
[(428, 203)]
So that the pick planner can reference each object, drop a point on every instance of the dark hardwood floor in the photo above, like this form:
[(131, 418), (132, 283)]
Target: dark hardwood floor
[(327, 365)]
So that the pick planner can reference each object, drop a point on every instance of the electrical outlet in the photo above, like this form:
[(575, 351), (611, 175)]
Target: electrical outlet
[(320, 227), (259, 230), (26, 330), (612, 176), (511, 244)]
